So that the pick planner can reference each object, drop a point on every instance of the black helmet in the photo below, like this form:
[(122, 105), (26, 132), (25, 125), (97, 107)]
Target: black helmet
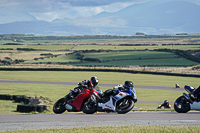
[(128, 84), (94, 81), (166, 102)]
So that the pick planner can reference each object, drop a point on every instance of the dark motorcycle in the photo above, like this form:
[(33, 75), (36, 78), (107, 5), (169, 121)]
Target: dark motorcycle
[(187, 102)]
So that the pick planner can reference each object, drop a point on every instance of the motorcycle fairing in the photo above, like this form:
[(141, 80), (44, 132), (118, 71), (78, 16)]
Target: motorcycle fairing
[(78, 100), (131, 92), (111, 104), (108, 105), (195, 106)]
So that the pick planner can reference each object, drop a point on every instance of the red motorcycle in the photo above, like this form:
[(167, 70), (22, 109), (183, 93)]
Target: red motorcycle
[(74, 104)]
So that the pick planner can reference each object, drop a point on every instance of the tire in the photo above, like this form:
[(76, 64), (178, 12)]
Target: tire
[(181, 105), (40, 108), (89, 108), (59, 106), (124, 105), (19, 108), (9, 97)]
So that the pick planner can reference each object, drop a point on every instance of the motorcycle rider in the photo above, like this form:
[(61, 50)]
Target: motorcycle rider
[(118, 88), (165, 104), (89, 84), (128, 84)]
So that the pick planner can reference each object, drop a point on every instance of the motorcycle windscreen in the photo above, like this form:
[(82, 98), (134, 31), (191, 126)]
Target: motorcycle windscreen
[(189, 89)]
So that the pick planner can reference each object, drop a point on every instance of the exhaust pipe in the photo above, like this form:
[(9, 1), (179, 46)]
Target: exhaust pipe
[(68, 107), (188, 97)]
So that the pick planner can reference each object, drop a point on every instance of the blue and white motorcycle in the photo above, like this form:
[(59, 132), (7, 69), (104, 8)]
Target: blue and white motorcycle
[(121, 101), (187, 102)]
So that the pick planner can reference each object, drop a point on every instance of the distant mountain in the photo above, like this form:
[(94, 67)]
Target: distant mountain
[(169, 17), (42, 28), (151, 18), (8, 16)]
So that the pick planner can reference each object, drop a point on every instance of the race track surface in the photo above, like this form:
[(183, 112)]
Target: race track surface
[(70, 120), (101, 84)]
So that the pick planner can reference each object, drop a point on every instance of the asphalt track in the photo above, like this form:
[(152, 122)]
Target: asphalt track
[(70, 120), (101, 84)]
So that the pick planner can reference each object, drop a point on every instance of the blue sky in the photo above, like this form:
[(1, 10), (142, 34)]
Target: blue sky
[(49, 10)]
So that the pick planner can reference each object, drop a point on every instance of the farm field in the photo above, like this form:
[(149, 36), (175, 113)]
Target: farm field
[(63, 47), (109, 51), (139, 47), (148, 62), (134, 58), (101, 39), (38, 47)]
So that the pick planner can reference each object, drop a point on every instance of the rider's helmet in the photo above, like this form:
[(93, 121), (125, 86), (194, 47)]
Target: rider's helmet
[(128, 84), (166, 103), (94, 81)]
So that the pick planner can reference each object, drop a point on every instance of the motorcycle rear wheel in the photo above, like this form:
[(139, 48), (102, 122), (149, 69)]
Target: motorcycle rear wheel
[(124, 106), (181, 105), (59, 106)]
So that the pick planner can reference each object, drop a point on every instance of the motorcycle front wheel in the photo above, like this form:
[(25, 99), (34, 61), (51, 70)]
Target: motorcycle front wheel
[(59, 106), (124, 105), (181, 105), (89, 108)]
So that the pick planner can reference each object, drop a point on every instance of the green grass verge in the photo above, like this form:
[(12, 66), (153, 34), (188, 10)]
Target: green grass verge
[(54, 92), (120, 129), (104, 77)]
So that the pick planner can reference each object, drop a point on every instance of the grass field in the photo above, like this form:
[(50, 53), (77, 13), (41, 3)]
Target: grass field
[(64, 58), (40, 47), (27, 55), (99, 47), (143, 62), (63, 45), (104, 77), (150, 47), (104, 56), (140, 58), (120, 129), (53, 92)]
